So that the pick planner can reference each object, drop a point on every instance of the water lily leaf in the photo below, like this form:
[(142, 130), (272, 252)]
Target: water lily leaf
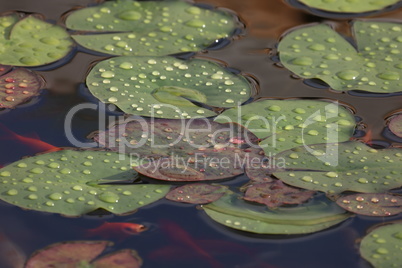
[(30, 41), (149, 28), (348, 6), (4, 69), (319, 52), (184, 150), (82, 254), (259, 173), (70, 182), (18, 86), (166, 87), (395, 125), (284, 124), (275, 194), (125, 258), (347, 166), (372, 204), (198, 193), (308, 218), (382, 246)]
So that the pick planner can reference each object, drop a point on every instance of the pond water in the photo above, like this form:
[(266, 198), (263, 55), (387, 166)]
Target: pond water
[(253, 52)]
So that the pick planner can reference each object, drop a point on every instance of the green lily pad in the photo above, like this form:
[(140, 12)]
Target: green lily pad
[(198, 193), (149, 28), (166, 87), (70, 182), (318, 51), (284, 124), (347, 166), (379, 205), (18, 86), (382, 246), (30, 41), (348, 6), (314, 216), (82, 254), (276, 193)]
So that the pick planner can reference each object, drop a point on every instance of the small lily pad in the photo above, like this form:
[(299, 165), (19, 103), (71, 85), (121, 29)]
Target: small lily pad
[(184, 150), (149, 27), (395, 125), (18, 86), (71, 183), (314, 216), (82, 254), (372, 204), (317, 51), (347, 166), (197, 193), (382, 246), (275, 194), (349, 6), (30, 41), (284, 124), (166, 87)]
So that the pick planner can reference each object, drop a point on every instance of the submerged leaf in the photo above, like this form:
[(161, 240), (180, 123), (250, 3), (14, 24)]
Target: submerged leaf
[(382, 246), (348, 6), (166, 87), (149, 27), (347, 166), (308, 218), (81, 254), (284, 124), (395, 125), (18, 86), (70, 182), (197, 193), (275, 194), (31, 41), (184, 150), (372, 204), (372, 67)]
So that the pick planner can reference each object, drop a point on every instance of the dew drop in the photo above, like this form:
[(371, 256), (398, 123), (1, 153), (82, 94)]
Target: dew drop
[(195, 23), (109, 197), (129, 15), (126, 65), (302, 61), (12, 192), (389, 76), (36, 171), (348, 75), (108, 74), (55, 196)]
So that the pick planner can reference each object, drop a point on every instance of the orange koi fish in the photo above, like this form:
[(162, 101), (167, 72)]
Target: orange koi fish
[(116, 230), (185, 241), (34, 144), (368, 138)]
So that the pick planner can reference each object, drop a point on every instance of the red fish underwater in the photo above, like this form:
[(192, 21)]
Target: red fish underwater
[(33, 144), (116, 230), (368, 138)]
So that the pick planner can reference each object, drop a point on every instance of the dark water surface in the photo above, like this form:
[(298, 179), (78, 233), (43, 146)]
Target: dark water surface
[(253, 53)]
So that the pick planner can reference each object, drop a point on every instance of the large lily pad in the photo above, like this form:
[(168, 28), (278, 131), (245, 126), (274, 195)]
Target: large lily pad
[(372, 204), (184, 150), (197, 193), (275, 194), (347, 166), (312, 217), (82, 254), (149, 28), (69, 182), (348, 6), (166, 87), (317, 51), (30, 41), (382, 246), (18, 86), (284, 124)]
